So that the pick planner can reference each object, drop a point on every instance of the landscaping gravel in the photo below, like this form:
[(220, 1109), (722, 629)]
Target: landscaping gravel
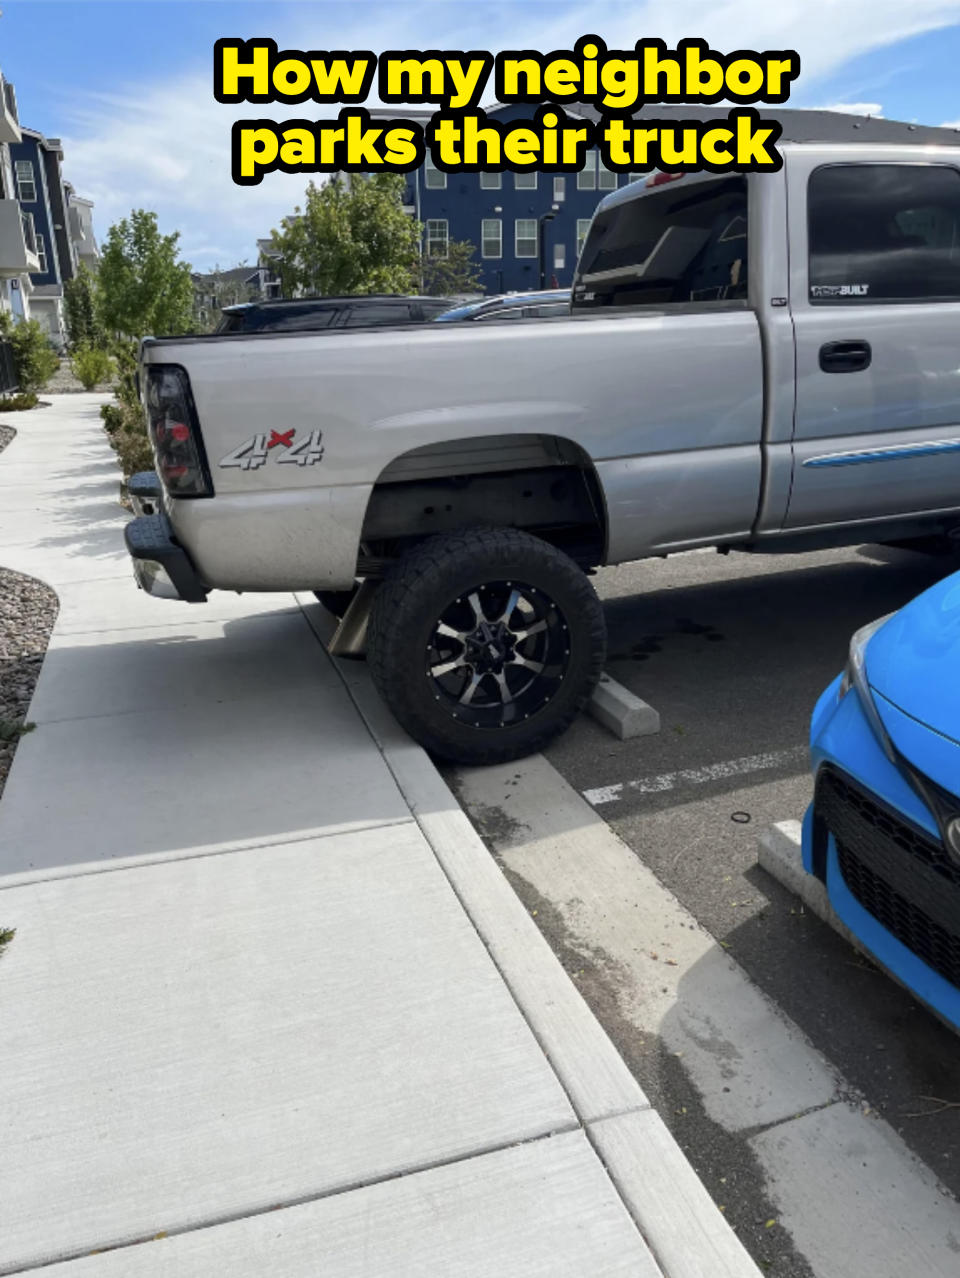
[(63, 382), (28, 610)]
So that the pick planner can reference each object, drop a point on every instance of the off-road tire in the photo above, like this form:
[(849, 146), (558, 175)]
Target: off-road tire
[(436, 575)]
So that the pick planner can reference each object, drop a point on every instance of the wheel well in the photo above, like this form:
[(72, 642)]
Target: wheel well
[(544, 484)]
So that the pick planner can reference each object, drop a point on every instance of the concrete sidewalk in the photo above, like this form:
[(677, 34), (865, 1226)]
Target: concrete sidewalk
[(271, 1006)]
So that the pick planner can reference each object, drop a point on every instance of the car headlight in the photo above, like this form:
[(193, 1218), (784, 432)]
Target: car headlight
[(855, 677)]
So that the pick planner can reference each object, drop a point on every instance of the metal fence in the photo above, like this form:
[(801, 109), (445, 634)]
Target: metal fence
[(8, 369)]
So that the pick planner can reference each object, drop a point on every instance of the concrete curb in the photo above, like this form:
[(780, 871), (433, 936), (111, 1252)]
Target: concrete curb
[(687, 1234), (620, 711), (779, 854)]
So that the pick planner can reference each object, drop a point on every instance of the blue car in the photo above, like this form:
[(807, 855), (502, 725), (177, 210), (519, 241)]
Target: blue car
[(883, 830)]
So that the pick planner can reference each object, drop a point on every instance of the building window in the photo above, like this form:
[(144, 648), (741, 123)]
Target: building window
[(26, 181), (525, 181), (525, 237), (583, 227), (491, 181), (42, 253), (607, 179), (438, 236), (29, 230), (559, 257), (587, 177), (491, 237), (559, 188), (434, 179)]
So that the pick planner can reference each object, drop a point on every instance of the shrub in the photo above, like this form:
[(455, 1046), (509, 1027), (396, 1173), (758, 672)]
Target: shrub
[(128, 435), (13, 403), (133, 451), (112, 415), (35, 359), (125, 353), (91, 365)]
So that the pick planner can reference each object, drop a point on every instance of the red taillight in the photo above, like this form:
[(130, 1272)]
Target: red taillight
[(175, 432), (658, 179)]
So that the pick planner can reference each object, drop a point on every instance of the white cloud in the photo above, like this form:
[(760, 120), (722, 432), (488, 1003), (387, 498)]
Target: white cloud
[(852, 108), (166, 145)]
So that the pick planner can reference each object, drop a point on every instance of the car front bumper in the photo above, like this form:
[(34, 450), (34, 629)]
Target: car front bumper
[(871, 840)]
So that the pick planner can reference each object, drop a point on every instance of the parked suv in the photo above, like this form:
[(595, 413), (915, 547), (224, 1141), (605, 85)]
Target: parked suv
[(287, 315)]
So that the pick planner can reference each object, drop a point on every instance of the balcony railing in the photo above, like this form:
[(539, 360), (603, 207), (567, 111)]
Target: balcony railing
[(18, 244)]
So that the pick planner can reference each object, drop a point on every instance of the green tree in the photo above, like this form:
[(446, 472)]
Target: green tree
[(80, 304), (143, 288), (350, 239), (458, 272), (219, 289)]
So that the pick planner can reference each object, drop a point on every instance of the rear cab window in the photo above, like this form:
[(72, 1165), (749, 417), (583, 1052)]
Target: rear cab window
[(883, 233), (682, 244)]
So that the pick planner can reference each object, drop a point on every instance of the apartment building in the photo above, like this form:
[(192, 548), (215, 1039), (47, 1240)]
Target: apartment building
[(527, 228), (59, 221), (19, 258)]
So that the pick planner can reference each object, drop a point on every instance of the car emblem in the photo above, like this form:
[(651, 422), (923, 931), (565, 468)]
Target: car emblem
[(952, 832)]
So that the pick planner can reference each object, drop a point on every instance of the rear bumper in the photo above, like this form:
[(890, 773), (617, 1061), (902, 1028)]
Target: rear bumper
[(145, 492), (161, 566)]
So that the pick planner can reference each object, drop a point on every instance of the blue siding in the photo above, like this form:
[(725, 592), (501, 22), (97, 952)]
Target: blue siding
[(29, 149), (463, 204)]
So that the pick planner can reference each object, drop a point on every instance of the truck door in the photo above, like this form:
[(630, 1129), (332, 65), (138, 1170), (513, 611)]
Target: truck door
[(875, 298)]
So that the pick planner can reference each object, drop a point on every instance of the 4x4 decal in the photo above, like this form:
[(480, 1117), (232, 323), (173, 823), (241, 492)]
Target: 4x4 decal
[(256, 452)]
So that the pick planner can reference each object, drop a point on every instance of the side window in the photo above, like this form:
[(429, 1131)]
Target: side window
[(370, 316), (883, 233), (318, 319), (295, 319), (671, 245)]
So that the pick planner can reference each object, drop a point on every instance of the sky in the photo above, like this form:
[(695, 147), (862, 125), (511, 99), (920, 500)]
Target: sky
[(127, 84)]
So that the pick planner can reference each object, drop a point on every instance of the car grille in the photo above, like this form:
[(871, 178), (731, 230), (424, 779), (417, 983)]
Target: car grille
[(897, 872)]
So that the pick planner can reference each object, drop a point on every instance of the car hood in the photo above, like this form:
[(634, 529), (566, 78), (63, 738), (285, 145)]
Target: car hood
[(914, 660)]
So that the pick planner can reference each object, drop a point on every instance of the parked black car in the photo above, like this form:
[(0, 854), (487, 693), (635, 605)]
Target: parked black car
[(314, 313)]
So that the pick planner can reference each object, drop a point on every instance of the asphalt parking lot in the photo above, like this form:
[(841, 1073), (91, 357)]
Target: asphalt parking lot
[(733, 652)]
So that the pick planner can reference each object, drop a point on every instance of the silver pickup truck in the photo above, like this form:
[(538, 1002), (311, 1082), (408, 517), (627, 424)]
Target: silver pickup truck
[(765, 363)]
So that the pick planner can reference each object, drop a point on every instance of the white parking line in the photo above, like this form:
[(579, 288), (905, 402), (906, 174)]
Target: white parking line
[(696, 776)]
